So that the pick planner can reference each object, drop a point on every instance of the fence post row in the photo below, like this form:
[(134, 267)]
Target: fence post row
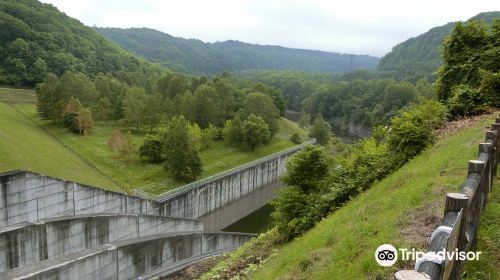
[(462, 215)]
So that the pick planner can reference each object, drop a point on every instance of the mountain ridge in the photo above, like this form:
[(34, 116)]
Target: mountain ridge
[(193, 55)]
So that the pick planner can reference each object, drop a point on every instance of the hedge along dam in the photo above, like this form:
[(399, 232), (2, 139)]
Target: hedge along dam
[(56, 229)]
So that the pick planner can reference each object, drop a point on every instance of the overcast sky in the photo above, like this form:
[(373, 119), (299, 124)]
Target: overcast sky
[(349, 26)]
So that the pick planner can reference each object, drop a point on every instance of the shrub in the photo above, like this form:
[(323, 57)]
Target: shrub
[(295, 138), (152, 149), (412, 130)]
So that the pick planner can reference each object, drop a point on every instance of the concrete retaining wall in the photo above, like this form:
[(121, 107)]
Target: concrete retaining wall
[(26, 196), (203, 197), (28, 243), (141, 257)]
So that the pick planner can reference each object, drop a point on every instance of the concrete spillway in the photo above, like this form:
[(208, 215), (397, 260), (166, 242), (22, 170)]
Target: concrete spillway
[(28, 243), (144, 257), (56, 229)]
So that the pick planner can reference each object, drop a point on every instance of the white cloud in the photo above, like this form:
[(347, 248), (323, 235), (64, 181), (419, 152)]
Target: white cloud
[(353, 26)]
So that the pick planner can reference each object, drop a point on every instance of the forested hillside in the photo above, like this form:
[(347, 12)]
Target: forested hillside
[(36, 39), (421, 56), (195, 56)]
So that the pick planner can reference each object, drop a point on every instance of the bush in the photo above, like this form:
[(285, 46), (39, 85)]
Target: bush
[(298, 207), (152, 149), (295, 138), (413, 130)]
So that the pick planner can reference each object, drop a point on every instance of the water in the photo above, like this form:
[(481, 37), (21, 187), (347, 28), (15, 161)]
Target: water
[(257, 222)]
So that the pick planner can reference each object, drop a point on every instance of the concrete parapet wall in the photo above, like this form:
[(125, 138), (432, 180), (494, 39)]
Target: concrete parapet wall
[(26, 196), (28, 243), (140, 257), (203, 197)]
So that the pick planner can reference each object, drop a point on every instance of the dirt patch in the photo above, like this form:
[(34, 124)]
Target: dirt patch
[(450, 128), (419, 224), (196, 270)]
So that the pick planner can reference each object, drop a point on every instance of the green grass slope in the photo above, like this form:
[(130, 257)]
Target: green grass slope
[(25, 146), (488, 267), (401, 210), (152, 178)]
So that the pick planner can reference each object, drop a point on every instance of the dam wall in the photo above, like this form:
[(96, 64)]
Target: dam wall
[(27, 196), (28, 243)]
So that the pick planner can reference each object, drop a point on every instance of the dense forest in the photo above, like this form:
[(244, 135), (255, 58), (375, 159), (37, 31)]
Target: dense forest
[(195, 56), (420, 57), (37, 39)]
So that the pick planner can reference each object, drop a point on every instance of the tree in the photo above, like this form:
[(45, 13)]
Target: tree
[(181, 156), (255, 131), (103, 108), (307, 169), (299, 206), (413, 130), (232, 131), (47, 97), (206, 102), (321, 130), (115, 141), (261, 105), (85, 121), (134, 106), (127, 146), (152, 148)]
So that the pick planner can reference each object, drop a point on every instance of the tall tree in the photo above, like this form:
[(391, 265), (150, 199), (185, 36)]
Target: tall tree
[(261, 105), (255, 131), (181, 156), (321, 130)]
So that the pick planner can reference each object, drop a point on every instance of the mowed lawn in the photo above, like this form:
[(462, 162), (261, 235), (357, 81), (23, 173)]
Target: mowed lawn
[(25, 146), (396, 210), (153, 178)]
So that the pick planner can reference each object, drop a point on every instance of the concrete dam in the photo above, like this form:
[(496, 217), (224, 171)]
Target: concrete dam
[(56, 229)]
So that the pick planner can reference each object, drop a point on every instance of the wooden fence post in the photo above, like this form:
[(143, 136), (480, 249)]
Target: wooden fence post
[(454, 203)]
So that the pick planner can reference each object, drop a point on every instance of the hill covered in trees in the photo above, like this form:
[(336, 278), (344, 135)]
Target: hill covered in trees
[(37, 39), (195, 56), (421, 56)]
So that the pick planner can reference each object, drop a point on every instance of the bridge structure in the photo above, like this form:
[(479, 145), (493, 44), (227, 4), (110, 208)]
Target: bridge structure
[(57, 229)]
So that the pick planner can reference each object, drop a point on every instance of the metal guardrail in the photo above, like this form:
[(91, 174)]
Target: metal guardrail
[(186, 188)]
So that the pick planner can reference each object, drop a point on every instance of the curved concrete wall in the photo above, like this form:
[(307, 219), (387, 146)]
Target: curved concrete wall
[(206, 196), (26, 196), (145, 257), (28, 243)]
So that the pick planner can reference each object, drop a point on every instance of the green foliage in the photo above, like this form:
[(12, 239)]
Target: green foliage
[(262, 106), (321, 131), (468, 80), (151, 148), (232, 130), (413, 130), (181, 156), (36, 39), (127, 146), (298, 207), (255, 131), (307, 168), (195, 56), (420, 57), (295, 138), (321, 183)]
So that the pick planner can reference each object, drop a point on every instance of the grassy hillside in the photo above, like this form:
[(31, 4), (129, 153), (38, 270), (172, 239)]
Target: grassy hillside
[(25, 146), (136, 173), (402, 210), (195, 56), (489, 240)]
